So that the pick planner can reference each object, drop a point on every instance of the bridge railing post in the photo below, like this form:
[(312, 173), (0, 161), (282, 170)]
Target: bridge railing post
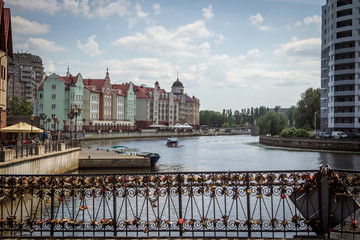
[(180, 204), (114, 206), (248, 204)]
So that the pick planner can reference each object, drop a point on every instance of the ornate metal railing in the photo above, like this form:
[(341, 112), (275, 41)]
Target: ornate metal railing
[(32, 149), (193, 204)]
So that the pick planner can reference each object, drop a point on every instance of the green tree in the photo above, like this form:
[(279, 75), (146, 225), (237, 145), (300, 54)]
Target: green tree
[(211, 118), (20, 107), (272, 123), (290, 115), (304, 114)]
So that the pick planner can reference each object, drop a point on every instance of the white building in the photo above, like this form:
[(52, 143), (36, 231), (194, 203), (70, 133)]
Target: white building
[(340, 60)]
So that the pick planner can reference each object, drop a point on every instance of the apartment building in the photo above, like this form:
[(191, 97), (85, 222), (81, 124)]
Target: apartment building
[(155, 106), (340, 61), (25, 74)]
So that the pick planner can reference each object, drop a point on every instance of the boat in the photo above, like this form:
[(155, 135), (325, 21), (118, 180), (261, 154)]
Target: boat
[(154, 157), (172, 142)]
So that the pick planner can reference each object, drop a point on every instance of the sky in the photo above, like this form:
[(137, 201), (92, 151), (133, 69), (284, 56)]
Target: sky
[(230, 54)]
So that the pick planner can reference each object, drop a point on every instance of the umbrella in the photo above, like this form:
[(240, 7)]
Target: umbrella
[(21, 127)]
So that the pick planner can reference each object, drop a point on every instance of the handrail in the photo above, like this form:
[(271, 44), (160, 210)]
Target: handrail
[(187, 204)]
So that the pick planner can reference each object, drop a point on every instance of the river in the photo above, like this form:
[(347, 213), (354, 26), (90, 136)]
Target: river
[(224, 153)]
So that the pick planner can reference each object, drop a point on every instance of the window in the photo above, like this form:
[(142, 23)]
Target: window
[(53, 87), (41, 96), (53, 96), (53, 106)]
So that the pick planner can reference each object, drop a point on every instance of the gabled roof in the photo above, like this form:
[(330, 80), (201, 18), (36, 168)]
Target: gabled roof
[(124, 87), (92, 88), (118, 92), (144, 92), (66, 79), (189, 99), (98, 83)]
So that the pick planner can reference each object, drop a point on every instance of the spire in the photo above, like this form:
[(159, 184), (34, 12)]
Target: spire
[(68, 72), (107, 74)]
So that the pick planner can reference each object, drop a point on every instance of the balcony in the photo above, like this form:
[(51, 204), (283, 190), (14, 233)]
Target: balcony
[(344, 114), (342, 82), (344, 125), (342, 93)]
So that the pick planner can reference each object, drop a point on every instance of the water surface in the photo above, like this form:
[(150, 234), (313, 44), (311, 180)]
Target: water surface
[(234, 153)]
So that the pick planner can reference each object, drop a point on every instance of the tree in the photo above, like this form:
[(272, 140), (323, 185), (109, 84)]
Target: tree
[(304, 114), (211, 118), (20, 107), (272, 123), (290, 115)]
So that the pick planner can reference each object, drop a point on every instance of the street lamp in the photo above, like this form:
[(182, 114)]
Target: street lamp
[(83, 120), (32, 121), (74, 113), (315, 122), (55, 120)]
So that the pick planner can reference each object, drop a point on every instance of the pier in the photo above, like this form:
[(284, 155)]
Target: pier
[(100, 159)]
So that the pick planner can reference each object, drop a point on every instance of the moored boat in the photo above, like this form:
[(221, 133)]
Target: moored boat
[(154, 157), (172, 142)]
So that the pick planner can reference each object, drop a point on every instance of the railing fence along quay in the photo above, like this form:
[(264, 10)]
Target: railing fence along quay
[(32, 149), (194, 204)]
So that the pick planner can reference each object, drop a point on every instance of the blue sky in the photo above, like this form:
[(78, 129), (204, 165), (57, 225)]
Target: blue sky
[(231, 54)]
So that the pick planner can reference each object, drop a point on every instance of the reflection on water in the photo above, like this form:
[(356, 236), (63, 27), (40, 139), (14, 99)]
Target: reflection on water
[(224, 153)]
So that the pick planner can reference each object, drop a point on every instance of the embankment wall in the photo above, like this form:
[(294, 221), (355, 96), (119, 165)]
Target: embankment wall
[(308, 143)]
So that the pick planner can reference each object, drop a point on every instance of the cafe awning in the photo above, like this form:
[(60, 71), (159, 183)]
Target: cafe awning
[(21, 127)]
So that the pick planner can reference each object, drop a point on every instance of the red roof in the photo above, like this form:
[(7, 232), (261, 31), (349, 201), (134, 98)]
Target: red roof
[(92, 88), (98, 83), (67, 80), (118, 92)]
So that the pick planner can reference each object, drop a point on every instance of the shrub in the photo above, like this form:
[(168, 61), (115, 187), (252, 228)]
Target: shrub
[(301, 133)]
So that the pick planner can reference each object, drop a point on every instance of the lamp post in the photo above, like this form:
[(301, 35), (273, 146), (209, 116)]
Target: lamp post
[(315, 122), (32, 121), (55, 120), (83, 120), (74, 113)]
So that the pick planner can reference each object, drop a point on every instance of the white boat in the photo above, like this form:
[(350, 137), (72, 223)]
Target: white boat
[(172, 142)]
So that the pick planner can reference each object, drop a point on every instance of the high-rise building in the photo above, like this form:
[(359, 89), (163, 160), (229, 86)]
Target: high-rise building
[(25, 73), (340, 64)]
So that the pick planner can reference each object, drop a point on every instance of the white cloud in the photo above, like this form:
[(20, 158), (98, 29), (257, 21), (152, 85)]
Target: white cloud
[(91, 47), (139, 15), (181, 41), (26, 27), (49, 66), (139, 12), (142, 71), (257, 20), (220, 39), (157, 9), (49, 6), (44, 45), (85, 8), (307, 48), (207, 12), (314, 19)]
